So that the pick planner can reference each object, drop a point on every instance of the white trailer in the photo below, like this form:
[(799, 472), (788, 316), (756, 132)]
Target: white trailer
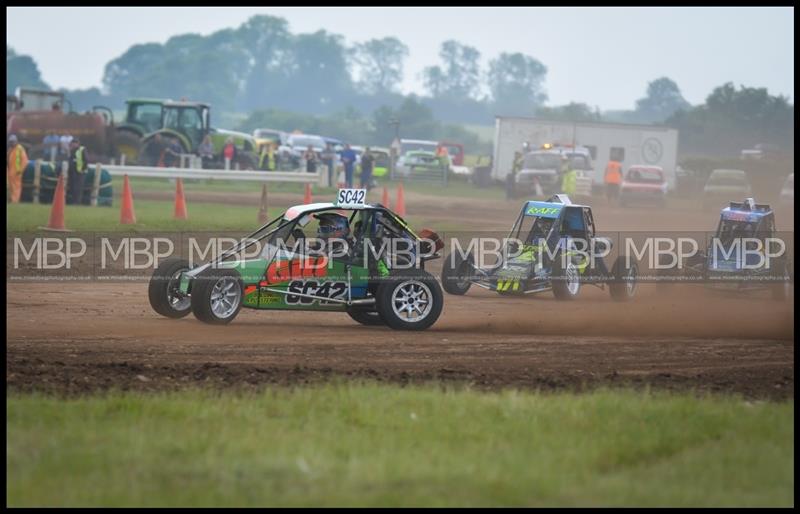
[(631, 144)]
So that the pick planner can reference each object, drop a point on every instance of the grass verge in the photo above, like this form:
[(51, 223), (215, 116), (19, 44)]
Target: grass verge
[(376, 445)]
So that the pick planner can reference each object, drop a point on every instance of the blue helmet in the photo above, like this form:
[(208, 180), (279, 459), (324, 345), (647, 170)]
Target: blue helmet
[(332, 224)]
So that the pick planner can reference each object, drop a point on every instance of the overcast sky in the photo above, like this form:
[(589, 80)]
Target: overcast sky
[(603, 56)]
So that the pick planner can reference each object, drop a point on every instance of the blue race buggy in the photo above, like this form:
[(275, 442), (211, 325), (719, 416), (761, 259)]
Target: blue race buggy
[(744, 254)]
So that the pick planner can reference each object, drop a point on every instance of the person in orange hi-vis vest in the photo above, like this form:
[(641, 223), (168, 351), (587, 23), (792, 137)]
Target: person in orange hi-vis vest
[(16, 162), (613, 180)]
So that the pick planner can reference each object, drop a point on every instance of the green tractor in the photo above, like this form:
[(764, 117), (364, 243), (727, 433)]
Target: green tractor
[(142, 117), (188, 123)]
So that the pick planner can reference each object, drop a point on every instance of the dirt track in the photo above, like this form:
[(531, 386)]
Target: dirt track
[(101, 336), (80, 337)]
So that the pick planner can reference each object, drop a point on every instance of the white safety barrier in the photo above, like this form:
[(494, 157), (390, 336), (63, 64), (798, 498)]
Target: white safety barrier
[(320, 177)]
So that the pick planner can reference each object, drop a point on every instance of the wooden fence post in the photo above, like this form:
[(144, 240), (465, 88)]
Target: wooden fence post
[(37, 179), (96, 184)]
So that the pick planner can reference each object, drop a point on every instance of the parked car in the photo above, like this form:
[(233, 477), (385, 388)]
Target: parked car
[(722, 185), (417, 161), (382, 156), (297, 144), (265, 136), (643, 184)]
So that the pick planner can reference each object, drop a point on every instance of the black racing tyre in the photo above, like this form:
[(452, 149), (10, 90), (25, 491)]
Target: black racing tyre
[(565, 278), (163, 292), (217, 295), (409, 299), (370, 318), (456, 272), (623, 282)]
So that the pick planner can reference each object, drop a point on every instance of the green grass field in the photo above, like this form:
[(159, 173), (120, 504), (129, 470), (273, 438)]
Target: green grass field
[(150, 216), (157, 215), (376, 445), (457, 187)]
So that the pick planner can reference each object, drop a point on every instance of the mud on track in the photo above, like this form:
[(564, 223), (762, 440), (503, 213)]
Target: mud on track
[(73, 338)]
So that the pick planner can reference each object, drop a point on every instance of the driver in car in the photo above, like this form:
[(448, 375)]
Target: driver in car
[(334, 231)]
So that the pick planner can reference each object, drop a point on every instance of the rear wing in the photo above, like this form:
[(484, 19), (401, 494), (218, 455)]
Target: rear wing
[(749, 204)]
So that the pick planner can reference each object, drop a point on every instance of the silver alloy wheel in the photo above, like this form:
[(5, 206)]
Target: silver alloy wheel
[(176, 299), (573, 279), (630, 280), (412, 301), (225, 297)]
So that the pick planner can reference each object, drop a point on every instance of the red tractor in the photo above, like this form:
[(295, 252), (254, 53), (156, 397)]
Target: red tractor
[(31, 114)]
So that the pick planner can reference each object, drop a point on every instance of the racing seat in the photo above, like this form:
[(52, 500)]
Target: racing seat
[(573, 224)]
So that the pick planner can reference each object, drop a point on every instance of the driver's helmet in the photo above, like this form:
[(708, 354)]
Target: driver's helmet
[(332, 225)]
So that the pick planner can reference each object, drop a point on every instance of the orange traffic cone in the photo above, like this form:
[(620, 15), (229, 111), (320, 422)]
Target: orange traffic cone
[(385, 200), (262, 211), (307, 198), (126, 215), (180, 202), (56, 221), (401, 201)]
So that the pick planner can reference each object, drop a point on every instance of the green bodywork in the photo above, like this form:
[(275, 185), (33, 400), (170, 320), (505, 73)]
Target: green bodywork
[(276, 278), (269, 284), (516, 270)]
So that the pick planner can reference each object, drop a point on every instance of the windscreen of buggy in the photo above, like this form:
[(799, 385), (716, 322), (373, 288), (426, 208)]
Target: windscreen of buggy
[(536, 229), (644, 176), (730, 230)]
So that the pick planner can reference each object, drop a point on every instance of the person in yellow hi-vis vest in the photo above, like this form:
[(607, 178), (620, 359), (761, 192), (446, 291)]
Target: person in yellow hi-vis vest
[(78, 166), (568, 178), (266, 160), (16, 162)]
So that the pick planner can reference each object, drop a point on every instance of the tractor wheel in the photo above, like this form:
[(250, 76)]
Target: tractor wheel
[(456, 273), (129, 145)]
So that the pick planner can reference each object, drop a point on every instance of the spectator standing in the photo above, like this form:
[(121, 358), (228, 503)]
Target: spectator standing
[(329, 160), (206, 151), (172, 154), (266, 160), (16, 162), (50, 143), (349, 160), (77, 171), (613, 180), (367, 165), (569, 176), (310, 156), (229, 152), (64, 146)]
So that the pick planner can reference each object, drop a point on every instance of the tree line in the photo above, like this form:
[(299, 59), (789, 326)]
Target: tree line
[(300, 81)]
